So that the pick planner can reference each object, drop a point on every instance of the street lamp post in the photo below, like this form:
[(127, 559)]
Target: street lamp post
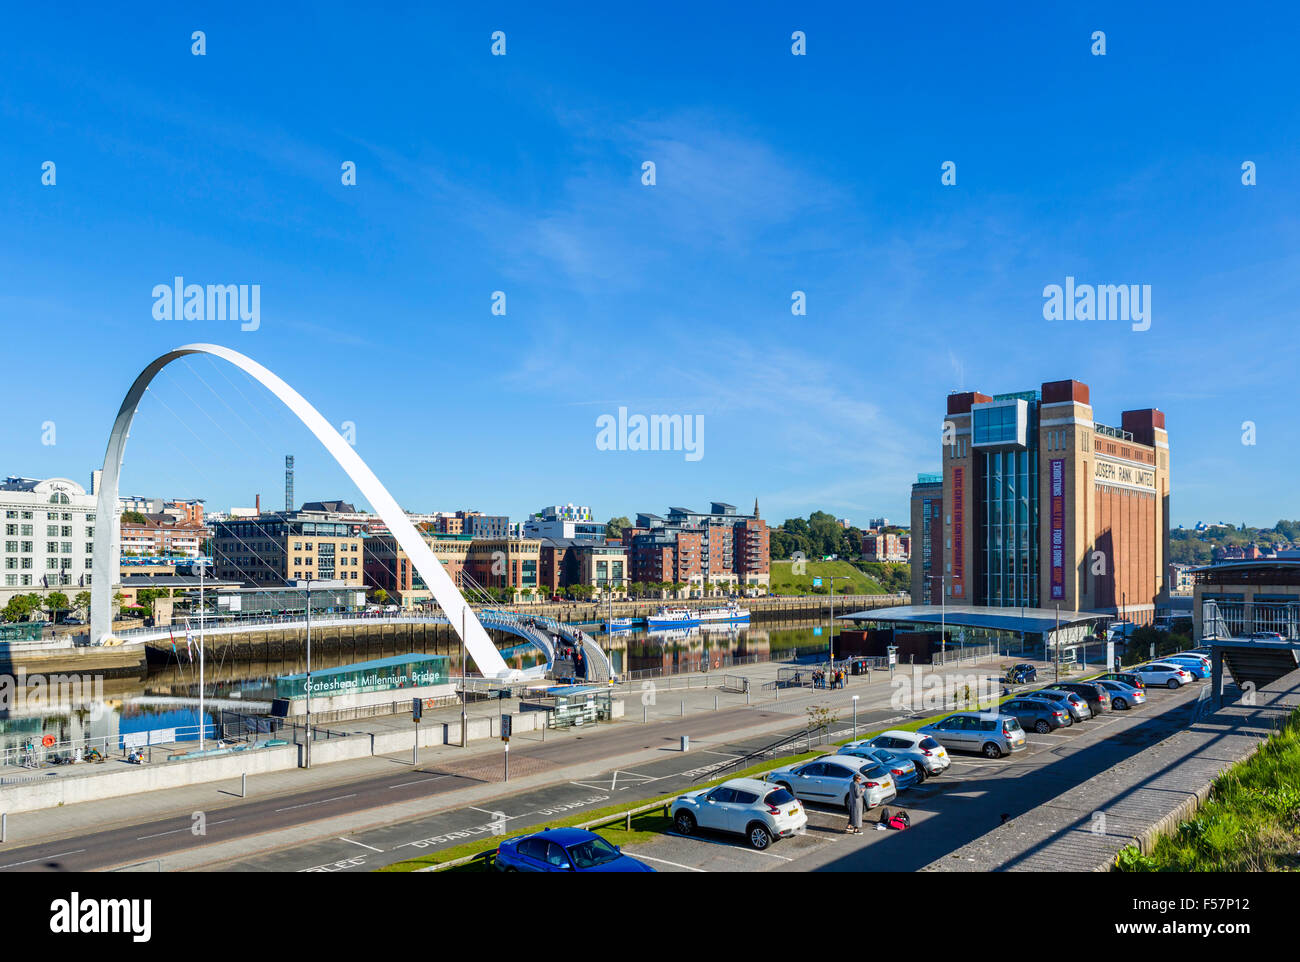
[(307, 753), (830, 644), (943, 617), (855, 717)]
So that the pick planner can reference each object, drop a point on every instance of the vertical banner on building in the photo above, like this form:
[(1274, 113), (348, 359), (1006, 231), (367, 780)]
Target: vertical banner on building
[(1058, 528), (958, 534)]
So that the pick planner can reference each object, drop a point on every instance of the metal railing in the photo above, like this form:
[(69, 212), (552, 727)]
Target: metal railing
[(1228, 620)]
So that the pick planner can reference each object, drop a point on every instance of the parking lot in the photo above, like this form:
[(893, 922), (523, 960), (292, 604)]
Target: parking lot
[(974, 796)]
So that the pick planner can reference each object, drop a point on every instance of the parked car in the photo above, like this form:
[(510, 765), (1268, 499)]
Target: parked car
[(931, 757), (1123, 696), (72, 621), (1077, 706), (1265, 636), (905, 771), (826, 780), (1164, 674), (972, 731), (1198, 666), (1022, 674), (742, 806), (1038, 714), (1126, 677), (1098, 698), (564, 850)]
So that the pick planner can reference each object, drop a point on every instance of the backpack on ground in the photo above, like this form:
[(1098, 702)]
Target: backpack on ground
[(899, 820)]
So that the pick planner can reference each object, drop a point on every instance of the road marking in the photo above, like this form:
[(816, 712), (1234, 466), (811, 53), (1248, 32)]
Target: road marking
[(362, 844), (664, 861), (143, 838), (336, 798), (493, 814), (42, 858), (738, 848), (418, 781)]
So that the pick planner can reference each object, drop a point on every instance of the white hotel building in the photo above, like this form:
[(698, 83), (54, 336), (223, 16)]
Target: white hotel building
[(48, 537)]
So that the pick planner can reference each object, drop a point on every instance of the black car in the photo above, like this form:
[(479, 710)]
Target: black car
[(1097, 697)]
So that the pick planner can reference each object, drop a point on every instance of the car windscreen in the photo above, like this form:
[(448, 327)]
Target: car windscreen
[(1010, 725), (874, 771), (596, 851), (928, 743)]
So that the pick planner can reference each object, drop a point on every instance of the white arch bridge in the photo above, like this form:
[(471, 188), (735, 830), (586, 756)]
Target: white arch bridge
[(457, 610)]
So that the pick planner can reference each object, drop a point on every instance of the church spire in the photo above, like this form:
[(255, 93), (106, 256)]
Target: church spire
[(756, 507)]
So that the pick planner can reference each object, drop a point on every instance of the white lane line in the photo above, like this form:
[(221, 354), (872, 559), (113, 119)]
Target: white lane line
[(493, 814), (418, 781), (614, 781), (362, 844), (187, 828), (738, 848), (336, 798), (42, 858), (664, 861)]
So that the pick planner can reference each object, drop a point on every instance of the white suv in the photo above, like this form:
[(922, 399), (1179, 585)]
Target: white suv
[(743, 806), (930, 757)]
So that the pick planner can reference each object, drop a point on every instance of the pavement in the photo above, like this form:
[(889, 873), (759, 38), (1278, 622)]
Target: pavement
[(306, 811)]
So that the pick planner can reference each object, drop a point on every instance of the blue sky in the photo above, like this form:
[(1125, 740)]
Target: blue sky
[(521, 173)]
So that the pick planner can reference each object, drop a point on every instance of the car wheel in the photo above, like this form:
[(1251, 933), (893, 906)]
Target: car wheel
[(992, 750), (759, 837), (1173, 684), (1042, 727), (1119, 704), (920, 772), (684, 823)]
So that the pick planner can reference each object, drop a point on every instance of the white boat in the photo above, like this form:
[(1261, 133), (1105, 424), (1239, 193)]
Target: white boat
[(727, 613)]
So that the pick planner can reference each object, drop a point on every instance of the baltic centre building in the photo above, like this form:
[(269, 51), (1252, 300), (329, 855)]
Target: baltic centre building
[(1041, 505)]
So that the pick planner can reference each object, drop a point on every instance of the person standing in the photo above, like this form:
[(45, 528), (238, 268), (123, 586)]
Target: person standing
[(856, 792)]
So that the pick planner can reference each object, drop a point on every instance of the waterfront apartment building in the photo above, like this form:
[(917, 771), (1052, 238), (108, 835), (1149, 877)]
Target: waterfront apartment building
[(49, 531), (1043, 505), (700, 548), (162, 535), (271, 549), (179, 509), (886, 546)]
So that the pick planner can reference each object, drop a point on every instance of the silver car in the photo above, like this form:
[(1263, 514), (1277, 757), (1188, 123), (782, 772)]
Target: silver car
[(1080, 710), (973, 731), (1122, 696), (826, 780), (930, 757)]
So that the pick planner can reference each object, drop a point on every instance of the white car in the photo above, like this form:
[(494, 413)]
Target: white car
[(743, 806), (931, 758), (1164, 674), (827, 780)]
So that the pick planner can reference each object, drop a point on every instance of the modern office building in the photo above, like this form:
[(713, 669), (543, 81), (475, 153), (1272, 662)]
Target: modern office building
[(504, 562), (271, 549), (179, 509), (568, 561), (387, 566), (564, 522), (49, 531), (927, 536), (1043, 505)]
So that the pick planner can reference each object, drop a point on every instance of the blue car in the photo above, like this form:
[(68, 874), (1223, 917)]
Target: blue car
[(564, 850), (1197, 666)]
